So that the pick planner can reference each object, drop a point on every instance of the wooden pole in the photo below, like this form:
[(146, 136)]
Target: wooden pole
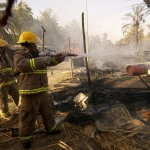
[(87, 40), (43, 31), (71, 67), (84, 45)]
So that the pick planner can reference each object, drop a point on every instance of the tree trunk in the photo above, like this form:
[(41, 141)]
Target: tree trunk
[(136, 36)]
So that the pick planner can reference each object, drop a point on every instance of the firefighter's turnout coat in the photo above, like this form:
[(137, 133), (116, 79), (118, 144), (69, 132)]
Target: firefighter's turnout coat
[(6, 67), (8, 83), (33, 87)]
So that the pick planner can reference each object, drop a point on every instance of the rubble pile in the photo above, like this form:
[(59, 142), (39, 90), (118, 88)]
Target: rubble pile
[(107, 116)]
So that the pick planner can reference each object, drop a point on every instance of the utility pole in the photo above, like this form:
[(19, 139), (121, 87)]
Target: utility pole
[(86, 60), (87, 28), (71, 67), (43, 31)]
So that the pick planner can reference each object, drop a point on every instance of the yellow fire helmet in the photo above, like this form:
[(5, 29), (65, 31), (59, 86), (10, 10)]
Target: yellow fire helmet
[(28, 37), (3, 43)]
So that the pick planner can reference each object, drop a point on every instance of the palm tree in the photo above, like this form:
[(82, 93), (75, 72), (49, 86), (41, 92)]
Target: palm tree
[(136, 20), (129, 36)]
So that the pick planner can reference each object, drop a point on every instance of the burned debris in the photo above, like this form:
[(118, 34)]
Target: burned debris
[(112, 114)]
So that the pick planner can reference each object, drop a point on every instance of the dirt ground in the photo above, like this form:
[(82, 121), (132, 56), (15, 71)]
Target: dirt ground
[(97, 127)]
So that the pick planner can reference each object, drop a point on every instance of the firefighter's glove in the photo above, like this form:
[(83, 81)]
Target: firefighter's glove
[(42, 54), (63, 54), (46, 60)]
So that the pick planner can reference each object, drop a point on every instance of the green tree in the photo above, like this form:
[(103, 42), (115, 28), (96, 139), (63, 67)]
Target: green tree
[(74, 31), (95, 42), (147, 37), (22, 19), (53, 35), (136, 19), (129, 36)]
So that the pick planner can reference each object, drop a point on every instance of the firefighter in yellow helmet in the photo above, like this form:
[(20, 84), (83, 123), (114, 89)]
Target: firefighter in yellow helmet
[(8, 85), (33, 87)]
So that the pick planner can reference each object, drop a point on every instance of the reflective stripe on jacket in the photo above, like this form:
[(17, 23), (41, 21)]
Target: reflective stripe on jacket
[(6, 67), (6, 70), (7, 83), (33, 78), (33, 91)]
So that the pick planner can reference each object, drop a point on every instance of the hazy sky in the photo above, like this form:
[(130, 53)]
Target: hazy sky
[(103, 15)]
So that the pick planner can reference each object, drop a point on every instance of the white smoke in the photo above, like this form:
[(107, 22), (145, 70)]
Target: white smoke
[(111, 58)]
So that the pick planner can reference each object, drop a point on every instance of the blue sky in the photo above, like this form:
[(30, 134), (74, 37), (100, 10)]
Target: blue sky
[(103, 15)]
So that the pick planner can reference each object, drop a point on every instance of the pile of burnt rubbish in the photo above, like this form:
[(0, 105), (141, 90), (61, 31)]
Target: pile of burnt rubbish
[(112, 118)]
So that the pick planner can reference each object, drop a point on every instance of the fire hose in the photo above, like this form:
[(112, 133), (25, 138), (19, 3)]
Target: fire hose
[(57, 55)]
